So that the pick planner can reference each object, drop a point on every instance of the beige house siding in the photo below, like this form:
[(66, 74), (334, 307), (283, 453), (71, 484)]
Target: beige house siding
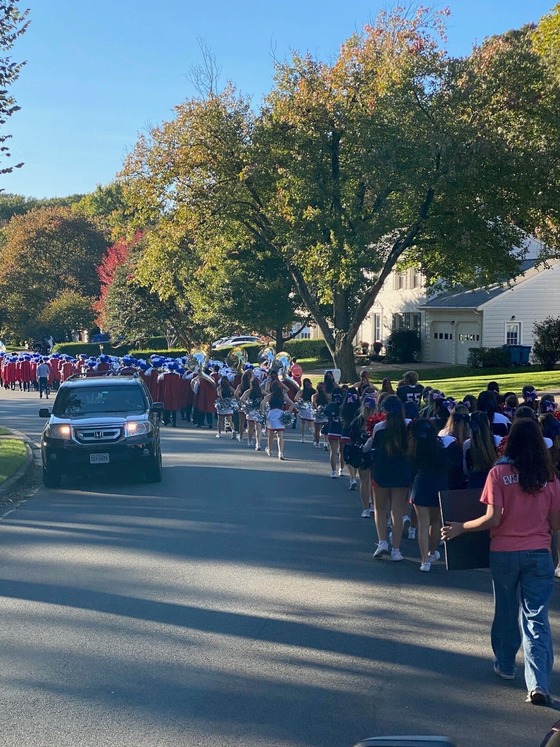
[(531, 300), (402, 293)]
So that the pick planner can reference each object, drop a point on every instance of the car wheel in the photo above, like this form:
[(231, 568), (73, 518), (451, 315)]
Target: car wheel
[(51, 478), (154, 470)]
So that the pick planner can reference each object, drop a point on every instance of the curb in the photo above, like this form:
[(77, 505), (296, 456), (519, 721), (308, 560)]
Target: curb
[(13, 482)]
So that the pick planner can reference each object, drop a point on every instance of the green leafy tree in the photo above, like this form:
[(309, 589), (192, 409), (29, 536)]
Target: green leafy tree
[(547, 39), (45, 253), (546, 347), (12, 204), (131, 309), (392, 153), (13, 23), (69, 312)]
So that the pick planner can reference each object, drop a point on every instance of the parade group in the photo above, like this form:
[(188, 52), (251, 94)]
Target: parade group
[(399, 446)]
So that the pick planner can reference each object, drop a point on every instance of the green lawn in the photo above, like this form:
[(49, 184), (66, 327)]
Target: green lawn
[(456, 381), (4, 431), (12, 457)]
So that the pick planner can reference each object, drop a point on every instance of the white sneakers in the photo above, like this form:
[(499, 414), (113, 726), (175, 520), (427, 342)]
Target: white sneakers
[(333, 474), (353, 485), (381, 549), (425, 567), (433, 557), (396, 554)]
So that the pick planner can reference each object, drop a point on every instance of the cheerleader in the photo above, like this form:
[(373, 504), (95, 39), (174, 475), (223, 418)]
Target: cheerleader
[(348, 411), (251, 400), (274, 406), (305, 406), (360, 431), (319, 400), (334, 433), (429, 464), (224, 406), (244, 386)]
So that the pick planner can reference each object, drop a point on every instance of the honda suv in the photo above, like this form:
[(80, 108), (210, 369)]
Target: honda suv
[(101, 422)]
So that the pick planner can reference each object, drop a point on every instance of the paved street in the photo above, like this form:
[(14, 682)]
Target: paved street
[(235, 603)]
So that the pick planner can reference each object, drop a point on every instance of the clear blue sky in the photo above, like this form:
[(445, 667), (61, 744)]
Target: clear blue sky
[(100, 71)]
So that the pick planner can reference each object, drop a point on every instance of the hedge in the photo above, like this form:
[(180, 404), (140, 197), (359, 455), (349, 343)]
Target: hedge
[(89, 348), (488, 358), (295, 348), (169, 353), (156, 344)]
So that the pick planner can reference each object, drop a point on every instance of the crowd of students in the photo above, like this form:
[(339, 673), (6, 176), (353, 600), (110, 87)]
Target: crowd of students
[(399, 448), (407, 446)]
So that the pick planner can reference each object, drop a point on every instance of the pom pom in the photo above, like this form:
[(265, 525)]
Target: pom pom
[(286, 418), (372, 421)]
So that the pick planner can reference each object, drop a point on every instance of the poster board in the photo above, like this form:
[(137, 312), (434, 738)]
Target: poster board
[(471, 549)]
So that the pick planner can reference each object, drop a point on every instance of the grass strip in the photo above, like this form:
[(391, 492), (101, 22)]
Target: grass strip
[(456, 382), (4, 431), (12, 457)]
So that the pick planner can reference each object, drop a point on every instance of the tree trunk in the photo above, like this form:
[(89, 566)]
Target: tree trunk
[(279, 337), (344, 359)]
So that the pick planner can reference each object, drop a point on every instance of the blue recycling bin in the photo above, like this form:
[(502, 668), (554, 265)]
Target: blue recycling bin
[(518, 355), (525, 352)]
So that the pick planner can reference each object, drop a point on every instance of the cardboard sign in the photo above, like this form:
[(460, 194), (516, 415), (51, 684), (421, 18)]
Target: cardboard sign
[(471, 549)]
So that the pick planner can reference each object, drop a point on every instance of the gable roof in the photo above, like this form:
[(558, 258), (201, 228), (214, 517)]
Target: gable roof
[(472, 299)]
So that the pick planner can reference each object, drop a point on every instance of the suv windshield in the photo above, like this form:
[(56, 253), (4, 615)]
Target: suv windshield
[(94, 400)]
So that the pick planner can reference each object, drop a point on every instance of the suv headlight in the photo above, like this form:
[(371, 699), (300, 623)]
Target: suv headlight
[(58, 430), (134, 428)]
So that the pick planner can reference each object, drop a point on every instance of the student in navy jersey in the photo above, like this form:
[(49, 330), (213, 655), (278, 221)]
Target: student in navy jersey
[(411, 390)]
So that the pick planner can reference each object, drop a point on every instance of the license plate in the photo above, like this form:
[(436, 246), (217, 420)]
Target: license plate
[(99, 458)]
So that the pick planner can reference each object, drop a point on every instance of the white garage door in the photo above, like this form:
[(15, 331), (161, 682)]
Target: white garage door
[(442, 342), (468, 336)]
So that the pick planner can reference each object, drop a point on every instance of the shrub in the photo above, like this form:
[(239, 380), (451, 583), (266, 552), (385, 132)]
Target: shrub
[(169, 353), (252, 351), (488, 358), (295, 348), (546, 347), (89, 348), (403, 346), (308, 349)]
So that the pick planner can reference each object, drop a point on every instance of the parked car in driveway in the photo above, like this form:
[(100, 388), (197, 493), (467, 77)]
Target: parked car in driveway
[(237, 340), (98, 423)]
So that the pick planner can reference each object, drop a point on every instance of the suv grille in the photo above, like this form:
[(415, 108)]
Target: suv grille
[(105, 434)]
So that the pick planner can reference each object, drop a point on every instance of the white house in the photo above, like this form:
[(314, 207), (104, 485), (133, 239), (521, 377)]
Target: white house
[(451, 323)]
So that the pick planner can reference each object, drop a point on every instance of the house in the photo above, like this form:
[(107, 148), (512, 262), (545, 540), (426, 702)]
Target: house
[(451, 323)]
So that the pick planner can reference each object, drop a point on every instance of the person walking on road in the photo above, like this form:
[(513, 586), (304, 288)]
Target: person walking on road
[(522, 497), (391, 474), (43, 374)]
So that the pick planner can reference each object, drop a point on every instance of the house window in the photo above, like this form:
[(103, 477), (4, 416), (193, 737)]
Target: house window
[(416, 278), (513, 333), (377, 327), (400, 280), (407, 320)]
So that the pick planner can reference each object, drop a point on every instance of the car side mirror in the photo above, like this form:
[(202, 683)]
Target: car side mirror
[(44, 412), (414, 741), (156, 407)]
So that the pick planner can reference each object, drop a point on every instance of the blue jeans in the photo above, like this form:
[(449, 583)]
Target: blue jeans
[(523, 583)]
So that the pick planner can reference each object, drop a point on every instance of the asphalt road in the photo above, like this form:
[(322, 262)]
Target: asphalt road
[(235, 603)]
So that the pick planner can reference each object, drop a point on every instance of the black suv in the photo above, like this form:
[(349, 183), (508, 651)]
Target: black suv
[(98, 422)]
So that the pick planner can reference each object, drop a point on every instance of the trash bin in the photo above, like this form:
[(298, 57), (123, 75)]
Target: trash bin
[(518, 355), (525, 352)]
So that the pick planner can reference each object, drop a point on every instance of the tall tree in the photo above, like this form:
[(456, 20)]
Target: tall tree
[(69, 312), (393, 153), (131, 308), (45, 253), (13, 23)]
